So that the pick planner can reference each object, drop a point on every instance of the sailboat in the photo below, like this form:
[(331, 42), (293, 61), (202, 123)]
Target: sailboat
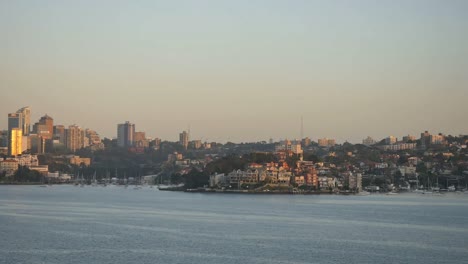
[(125, 180), (107, 179), (82, 180), (94, 182), (76, 180), (42, 182), (138, 183)]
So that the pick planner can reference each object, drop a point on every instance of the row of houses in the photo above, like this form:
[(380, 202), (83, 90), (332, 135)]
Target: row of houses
[(10, 165), (308, 177)]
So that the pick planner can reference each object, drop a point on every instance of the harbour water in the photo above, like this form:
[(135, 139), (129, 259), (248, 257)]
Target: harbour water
[(67, 224)]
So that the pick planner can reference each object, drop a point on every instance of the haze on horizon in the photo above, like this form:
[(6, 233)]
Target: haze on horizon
[(239, 70)]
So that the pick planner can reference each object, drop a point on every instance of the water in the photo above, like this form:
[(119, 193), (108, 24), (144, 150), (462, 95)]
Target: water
[(67, 224)]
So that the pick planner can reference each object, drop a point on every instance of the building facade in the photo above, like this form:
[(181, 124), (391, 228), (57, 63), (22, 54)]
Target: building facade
[(15, 142), (45, 127), (25, 120), (184, 139), (75, 138), (126, 134)]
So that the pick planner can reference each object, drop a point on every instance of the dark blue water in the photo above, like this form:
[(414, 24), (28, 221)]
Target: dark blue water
[(66, 224)]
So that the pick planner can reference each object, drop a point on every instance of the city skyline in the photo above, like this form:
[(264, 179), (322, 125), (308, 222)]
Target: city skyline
[(176, 137), (239, 71)]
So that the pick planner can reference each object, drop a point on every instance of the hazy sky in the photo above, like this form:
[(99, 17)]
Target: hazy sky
[(239, 70)]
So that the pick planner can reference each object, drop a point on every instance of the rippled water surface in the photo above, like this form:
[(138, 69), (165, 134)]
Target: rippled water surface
[(67, 224)]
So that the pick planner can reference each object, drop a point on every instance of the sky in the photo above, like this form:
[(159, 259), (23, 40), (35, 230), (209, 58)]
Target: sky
[(239, 71)]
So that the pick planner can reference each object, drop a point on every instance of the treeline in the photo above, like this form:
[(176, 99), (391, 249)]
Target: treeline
[(22, 175)]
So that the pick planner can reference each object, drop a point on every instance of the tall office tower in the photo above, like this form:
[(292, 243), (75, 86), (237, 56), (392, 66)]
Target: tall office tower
[(26, 120), (4, 138), (125, 134), (60, 134), (184, 139), (74, 138), (15, 120), (38, 144), (15, 145), (45, 127)]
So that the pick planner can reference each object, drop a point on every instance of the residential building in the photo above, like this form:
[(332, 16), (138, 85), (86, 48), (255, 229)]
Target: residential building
[(437, 139), (9, 166), (60, 134), (77, 160), (184, 139), (196, 144), (326, 142), (354, 181), (391, 140), (75, 138), (27, 160), (289, 147), (126, 134), (409, 138), (140, 140), (398, 146), (218, 179), (299, 180), (326, 182)]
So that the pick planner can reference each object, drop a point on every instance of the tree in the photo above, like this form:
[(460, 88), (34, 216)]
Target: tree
[(195, 179)]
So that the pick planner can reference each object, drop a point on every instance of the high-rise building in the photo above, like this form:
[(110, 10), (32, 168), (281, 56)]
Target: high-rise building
[(60, 134), (26, 120), (74, 138), (126, 134), (425, 139), (15, 139), (15, 120), (409, 138), (45, 127), (3, 138), (37, 144), (184, 139), (196, 144)]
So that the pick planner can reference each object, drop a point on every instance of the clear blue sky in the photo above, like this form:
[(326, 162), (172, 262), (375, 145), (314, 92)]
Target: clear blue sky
[(239, 70)]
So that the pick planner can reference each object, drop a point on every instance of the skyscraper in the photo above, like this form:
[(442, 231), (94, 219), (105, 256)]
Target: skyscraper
[(45, 127), (15, 120), (184, 139), (74, 138), (59, 133), (15, 140), (26, 120), (125, 134)]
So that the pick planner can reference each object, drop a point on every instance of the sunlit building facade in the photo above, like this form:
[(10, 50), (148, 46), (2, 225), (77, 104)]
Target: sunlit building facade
[(15, 142)]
